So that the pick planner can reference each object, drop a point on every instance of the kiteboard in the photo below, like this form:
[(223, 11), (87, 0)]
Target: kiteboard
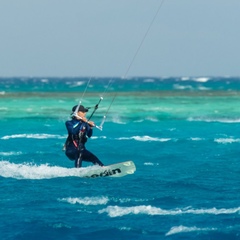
[(114, 170)]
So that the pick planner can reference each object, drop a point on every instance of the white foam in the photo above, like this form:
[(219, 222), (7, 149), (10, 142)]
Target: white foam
[(139, 121), (76, 84), (10, 153), (182, 87), (227, 140), (86, 200), (152, 119), (98, 137), (196, 139), (149, 164), (116, 211), (202, 88), (221, 120), (196, 79), (36, 136), (201, 79), (44, 80), (43, 171), (145, 139), (183, 229), (230, 120), (185, 78)]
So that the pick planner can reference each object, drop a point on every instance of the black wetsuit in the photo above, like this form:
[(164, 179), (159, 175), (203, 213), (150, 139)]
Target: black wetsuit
[(78, 132)]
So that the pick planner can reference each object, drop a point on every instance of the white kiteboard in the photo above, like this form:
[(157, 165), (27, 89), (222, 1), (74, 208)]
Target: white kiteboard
[(114, 170)]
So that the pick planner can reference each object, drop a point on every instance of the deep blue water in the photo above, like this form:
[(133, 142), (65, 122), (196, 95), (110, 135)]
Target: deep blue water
[(182, 134)]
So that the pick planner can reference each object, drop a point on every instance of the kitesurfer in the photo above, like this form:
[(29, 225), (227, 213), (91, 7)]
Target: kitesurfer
[(79, 130)]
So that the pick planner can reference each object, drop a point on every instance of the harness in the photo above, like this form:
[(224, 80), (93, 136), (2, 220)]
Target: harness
[(77, 139)]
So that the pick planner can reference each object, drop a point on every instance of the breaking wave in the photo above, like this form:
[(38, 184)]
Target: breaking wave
[(12, 153), (227, 140), (145, 139), (183, 229), (36, 136), (43, 171), (86, 200), (116, 211), (221, 120), (196, 79)]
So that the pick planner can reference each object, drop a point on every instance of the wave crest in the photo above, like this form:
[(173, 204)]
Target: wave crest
[(36, 136), (145, 138), (86, 200), (116, 211), (181, 229)]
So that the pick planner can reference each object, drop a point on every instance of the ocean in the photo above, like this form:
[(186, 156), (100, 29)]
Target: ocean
[(183, 135)]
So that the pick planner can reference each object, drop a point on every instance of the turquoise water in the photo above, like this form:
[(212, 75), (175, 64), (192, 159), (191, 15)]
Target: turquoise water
[(182, 134)]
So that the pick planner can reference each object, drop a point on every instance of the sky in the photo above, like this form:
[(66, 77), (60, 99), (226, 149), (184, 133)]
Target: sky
[(102, 38)]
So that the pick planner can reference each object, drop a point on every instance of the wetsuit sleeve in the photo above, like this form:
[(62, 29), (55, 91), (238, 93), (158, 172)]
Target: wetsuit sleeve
[(73, 128)]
